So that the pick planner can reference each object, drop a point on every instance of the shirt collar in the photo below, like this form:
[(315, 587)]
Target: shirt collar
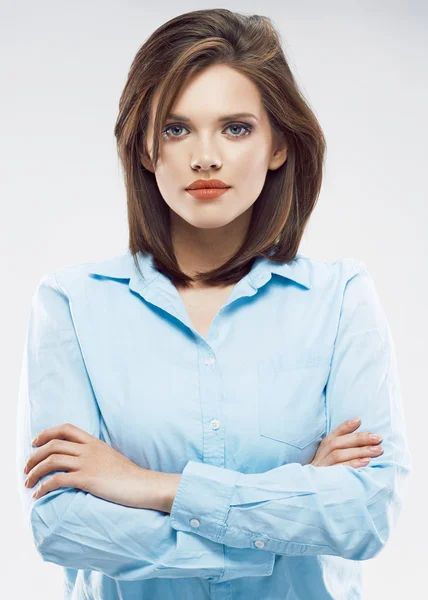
[(123, 267)]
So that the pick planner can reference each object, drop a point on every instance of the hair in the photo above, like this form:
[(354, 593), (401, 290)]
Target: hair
[(176, 51)]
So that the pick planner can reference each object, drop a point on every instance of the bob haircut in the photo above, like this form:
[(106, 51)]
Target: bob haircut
[(176, 51)]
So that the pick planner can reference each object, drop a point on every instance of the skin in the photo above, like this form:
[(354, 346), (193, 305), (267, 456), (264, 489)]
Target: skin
[(94, 466), (204, 235), (343, 447)]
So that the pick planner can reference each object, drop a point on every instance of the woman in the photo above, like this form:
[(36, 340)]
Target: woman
[(188, 395)]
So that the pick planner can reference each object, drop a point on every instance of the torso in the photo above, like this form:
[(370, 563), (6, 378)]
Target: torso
[(203, 304)]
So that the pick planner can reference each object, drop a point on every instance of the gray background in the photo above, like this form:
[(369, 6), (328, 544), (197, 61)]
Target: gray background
[(363, 68)]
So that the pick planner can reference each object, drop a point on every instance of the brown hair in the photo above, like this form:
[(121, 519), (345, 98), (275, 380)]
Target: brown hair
[(177, 50)]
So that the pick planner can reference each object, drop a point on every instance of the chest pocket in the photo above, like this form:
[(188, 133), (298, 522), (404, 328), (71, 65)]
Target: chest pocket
[(291, 407)]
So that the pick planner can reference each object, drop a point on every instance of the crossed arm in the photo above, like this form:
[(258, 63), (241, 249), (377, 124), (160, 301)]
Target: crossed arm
[(340, 510)]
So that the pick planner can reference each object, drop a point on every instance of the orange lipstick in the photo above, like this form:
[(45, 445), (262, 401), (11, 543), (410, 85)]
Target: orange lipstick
[(207, 193), (206, 189)]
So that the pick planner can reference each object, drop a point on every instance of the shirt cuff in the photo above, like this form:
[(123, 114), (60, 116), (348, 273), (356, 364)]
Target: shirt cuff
[(202, 500), (202, 505)]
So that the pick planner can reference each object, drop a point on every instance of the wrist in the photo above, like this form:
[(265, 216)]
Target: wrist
[(166, 485)]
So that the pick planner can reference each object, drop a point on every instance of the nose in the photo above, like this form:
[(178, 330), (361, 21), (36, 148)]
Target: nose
[(205, 165)]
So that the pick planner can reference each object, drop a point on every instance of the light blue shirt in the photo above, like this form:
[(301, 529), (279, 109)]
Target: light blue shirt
[(295, 351)]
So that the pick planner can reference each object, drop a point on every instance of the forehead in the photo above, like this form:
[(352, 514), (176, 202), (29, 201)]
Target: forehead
[(215, 91)]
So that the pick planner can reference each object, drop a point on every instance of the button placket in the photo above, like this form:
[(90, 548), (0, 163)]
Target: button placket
[(212, 434)]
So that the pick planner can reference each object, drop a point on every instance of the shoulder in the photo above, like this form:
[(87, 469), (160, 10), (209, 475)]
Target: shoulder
[(330, 272), (77, 275)]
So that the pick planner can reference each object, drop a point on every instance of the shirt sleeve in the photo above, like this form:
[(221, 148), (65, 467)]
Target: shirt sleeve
[(71, 527), (300, 510)]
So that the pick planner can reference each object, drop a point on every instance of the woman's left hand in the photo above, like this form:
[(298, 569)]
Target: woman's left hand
[(94, 466)]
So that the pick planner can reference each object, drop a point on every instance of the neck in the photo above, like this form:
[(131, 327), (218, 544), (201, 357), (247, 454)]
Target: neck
[(200, 249)]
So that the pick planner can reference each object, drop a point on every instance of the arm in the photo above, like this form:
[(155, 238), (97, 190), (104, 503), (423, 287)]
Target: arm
[(300, 510), (76, 529)]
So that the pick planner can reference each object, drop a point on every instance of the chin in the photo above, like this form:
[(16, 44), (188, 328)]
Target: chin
[(216, 219), (209, 223)]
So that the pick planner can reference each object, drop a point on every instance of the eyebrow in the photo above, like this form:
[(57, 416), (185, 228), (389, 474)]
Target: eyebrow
[(242, 115)]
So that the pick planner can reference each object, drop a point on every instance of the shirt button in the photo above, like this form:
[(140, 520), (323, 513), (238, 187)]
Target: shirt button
[(209, 361), (215, 424), (194, 522), (259, 543)]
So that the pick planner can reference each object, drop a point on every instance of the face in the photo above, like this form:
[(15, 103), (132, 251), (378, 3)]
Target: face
[(238, 151)]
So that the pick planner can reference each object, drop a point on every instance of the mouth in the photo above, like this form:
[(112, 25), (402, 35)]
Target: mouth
[(207, 193), (206, 184), (225, 187)]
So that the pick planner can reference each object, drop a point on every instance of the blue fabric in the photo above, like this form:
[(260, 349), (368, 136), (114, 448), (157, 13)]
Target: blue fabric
[(295, 350)]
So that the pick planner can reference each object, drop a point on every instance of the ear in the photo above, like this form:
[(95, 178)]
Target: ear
[(279, 154), (146, 162)]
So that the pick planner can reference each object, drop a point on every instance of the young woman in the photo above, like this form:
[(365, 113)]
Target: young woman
[(190, 398)]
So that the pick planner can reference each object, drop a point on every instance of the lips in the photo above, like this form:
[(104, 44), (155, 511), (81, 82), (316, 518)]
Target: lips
[(207, 184)]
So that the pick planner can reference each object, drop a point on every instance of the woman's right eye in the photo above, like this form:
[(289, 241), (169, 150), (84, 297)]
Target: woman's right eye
[(167, 135)]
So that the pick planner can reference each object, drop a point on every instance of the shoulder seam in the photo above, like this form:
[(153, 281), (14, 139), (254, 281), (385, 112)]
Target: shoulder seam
[(59, 285)]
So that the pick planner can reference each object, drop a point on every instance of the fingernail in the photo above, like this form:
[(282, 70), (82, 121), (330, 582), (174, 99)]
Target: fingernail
[(372, 436), (365, 461), (353, 421)]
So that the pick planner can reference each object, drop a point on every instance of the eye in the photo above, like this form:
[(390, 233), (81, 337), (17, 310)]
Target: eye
[(167, 135), (245, 126)]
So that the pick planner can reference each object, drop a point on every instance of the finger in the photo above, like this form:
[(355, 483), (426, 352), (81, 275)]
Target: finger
[(347, 426), (54, 462), (342, 429), (346, 454), (354, 440), (66, 431), (362, 462), (56, 481), (331, 441), (53, 446)]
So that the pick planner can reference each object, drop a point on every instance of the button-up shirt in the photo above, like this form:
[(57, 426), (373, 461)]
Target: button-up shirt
[(297, 349)]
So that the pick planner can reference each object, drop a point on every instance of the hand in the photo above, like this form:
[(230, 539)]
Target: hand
[(93, 466), (340, 447)]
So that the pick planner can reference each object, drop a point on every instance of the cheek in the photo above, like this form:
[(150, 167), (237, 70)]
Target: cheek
[(169, 174), (249, 172), (251, 160)]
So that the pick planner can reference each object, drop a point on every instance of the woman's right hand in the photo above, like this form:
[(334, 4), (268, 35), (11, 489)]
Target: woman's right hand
[(342, 447)]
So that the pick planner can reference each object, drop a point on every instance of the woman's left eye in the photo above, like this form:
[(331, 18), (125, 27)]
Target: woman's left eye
[(246, 127)]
